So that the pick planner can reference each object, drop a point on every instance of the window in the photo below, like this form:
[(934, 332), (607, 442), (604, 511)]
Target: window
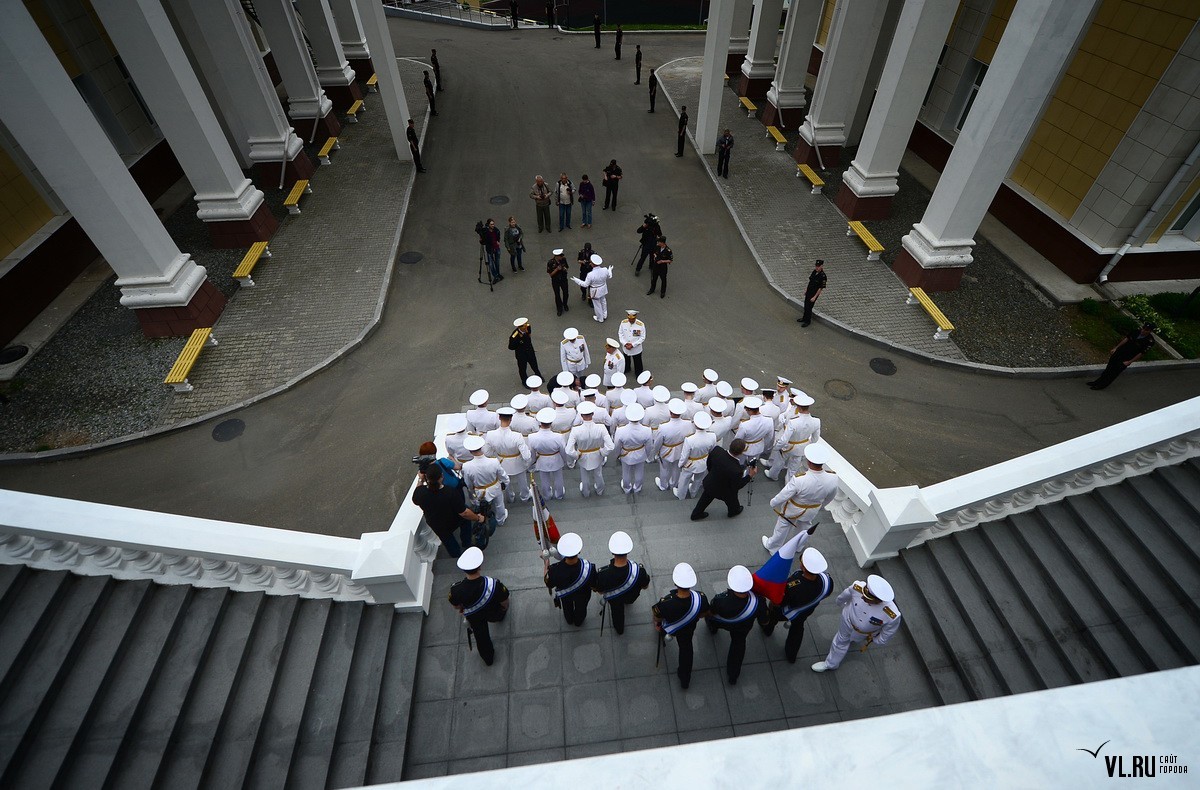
[(980, 71), (936, 70), (1188, 221), (137, 95)]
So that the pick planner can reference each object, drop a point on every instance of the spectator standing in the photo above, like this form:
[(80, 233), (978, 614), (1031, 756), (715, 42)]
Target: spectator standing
[(550, 14), (429, 93), (612, 183), (540, 195), (724, 147), (514, 242), (620, 35), (659, 264), (556, 268), (491, 247), (414, 145), (653, 89), (596, 29), (437, 69), (587, 196), (445, 510), (564, 197), (682, 136), (637, 64), (514, 10), (1129, 350)]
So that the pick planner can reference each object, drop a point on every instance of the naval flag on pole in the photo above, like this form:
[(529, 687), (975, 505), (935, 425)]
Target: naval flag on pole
[(771, 579)]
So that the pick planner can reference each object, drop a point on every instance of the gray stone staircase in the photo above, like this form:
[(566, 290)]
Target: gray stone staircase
[(1096, 586), (132, 684)]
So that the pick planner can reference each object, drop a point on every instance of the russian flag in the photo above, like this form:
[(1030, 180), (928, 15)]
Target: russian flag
[(771, 579)]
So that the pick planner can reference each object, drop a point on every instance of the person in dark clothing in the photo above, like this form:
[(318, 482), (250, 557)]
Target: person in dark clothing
[(736, 610), (649, 231), (621, 581), (491, 248), (817, 280), (571, 580), (660, 264), (726, 476), (653, 89), (429, 93), (637, 64), (556, 268), (724, 147), (521, 342), (1129, 350), (414, 145), (445, 510), (437, 69), (585, 267), (676, 614), (587, 197), (550, 15), (620, 35), (514, 10), (681, 138), (805, 589), (612, 184), (596, 29), (480, 600)]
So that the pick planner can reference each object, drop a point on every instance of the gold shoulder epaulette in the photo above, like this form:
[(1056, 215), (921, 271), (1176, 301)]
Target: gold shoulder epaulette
[(860, 587), (888, 611), (564, 342)]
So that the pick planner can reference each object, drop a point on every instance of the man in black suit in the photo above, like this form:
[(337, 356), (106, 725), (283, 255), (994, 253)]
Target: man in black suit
[(726, 476)]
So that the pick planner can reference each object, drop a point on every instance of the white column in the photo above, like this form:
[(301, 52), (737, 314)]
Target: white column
[(739, 38), (758, 69), (712, 80), (50, 121), (1041, 35), (852, 38), (787, 90), (350, 31), (240, 67), (305, 98), (871, 177), (147, 44), (391, 90), (333, 70)]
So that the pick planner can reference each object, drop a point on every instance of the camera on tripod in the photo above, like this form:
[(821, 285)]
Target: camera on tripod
[(480, 229)]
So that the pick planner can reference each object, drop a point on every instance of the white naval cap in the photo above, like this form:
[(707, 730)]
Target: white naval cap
[(520, 322), (611, 343), (586, 409), (456, 422), (661, 394), (597, 260), (817, 452), (676, 407), (558, 251), (634, 412), (559, 397), (724, 389), (565, 379), (802, 399), (545, 416), (710, 375), (570, 333), (618, 379), (753, 402), (719, 405), (473, 443), (479, 397), (688, 386), (628, 397), (783, 381), (739, 579), (471, 559), (879, 588), (533, 382), (590, 393), (507, 411), (813, 561), (684, 576), (520, 402), (749, 385), (702, 420), (592, 381), (620, 543), (569, 545), (644, 376), (631, 312)]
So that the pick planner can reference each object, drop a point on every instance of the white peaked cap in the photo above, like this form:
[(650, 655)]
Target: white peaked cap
[(570, 333), (724, 389), (676, 407), (710, 375), (717, 404), (803, 399), (558, 251), (631, 312), (520, 322), (473, 442), (519, 402), (628, 397), (634, 412), (570, 545), (592, 381), (752, 402), (545, 416), (559, 397), (749, 384), (817, 452), (471, 559), (620, 543), (533, 382), (456, 422), (565, 378), (479, 397), (784, 381), (739, 579), (618, 379), (661, 394), (813, 561), (688, 386), (586, 408), (702, 420), (589, 393), (644, 376), (507, 411), (597, 260), (612, 343), (683, 575), (879, 587)]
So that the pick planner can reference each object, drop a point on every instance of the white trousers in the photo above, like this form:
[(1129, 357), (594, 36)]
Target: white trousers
[(600, 307), (785, 531), (845, 637), (689, 483), (631, 477), (518, 485), (787, 463), (496, 496), (668, 474), (591, 480), (552, 484)]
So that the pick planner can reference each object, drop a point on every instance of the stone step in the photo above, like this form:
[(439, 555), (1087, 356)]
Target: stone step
[(352, 744), (29, 605), (1184, 482), (11, 577), (390, 737), (1178, 520)]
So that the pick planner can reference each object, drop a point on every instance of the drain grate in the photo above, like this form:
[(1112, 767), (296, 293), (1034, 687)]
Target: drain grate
[(228, 430), (411, 257), (842, 390), (883, 366), (498, 200)]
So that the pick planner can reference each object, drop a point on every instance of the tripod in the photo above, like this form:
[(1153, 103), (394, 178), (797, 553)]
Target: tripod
[(483, 267)]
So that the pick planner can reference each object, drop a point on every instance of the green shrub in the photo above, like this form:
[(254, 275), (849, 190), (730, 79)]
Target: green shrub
[(1089, 307)]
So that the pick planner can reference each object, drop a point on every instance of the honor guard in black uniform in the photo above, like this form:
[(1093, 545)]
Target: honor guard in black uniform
[(660, 262), (571, 579), (521, 343), (817, 280), (736, 610), (481, 600), (676, 615), (621, 581), (805, 589)]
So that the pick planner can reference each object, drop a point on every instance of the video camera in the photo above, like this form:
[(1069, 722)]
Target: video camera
[(480, 229), (423, 461)]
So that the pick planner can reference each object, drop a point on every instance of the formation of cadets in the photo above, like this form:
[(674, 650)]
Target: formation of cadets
[(592, 421)]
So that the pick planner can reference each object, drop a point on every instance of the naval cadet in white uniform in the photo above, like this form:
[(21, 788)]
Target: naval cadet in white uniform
[(591, 444), (801, 499)]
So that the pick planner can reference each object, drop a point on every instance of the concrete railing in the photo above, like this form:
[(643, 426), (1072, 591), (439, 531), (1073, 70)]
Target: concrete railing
[(879, 522)]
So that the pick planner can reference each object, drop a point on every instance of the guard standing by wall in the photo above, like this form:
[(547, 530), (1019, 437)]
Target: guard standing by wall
[(817, 280), (520, 342), (637, 65), (805, 589), (437, 70), (414, 145), (681, 138), (571, 579), (736, 610), (481, 600), (653, 89), (676, 615), (621, 581)]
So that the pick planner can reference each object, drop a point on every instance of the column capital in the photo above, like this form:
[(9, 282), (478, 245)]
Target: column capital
[(934, 253)]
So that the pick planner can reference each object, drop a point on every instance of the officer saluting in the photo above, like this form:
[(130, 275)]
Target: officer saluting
[(736, 611), (521, 342), (805, 589), (868, 614), (621, 581), (571, 579), (481, 600), (676, 615)]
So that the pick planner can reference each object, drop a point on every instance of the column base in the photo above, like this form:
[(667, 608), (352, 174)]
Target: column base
[(855, 207), (733, 64), (343, 96), (237, 233), (266, 174), (754, 87), (204, 309), (910, 271), (363, 69), (786, 118), (806, 154), (326, 127)]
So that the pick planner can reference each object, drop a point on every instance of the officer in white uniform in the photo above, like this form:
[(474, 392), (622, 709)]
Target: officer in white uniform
[(565, 381), (800, 430), (782, 396), (632, 445), (481, 419), (456, 432), (756, 430), (485, 477), (696, 448), (709, 390), (722, 423), (523, 421), (690, 404), (573, 353), (596, 284), (619, 416), (869, 614), (565, 416), (656, 415), (592, 382), (671, 435), (549, 451), (645, 389), (749, 390), (769, 409), (538, 400), (591, 444), (510, 448), (799, 502), (632, 334), (614, 390), (614, 361), (601, 416)]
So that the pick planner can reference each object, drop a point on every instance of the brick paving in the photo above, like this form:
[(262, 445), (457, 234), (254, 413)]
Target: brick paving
[(787, 234)]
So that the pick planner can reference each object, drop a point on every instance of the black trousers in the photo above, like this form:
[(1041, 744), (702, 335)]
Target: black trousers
[(574, 607), (523, 365), (723, 162), (633, 362), (437, 78), (737, 651), (808, 307), (706, 498), (653, 96), (637, 80), (483, 635), (610, 193), (596, 33), (679, 145), (432, 103), (642, 256), (1115, 368), (658, 271), (616, 612), (684, 670), (416, 153), (561, 292), (617, 48), (791, 645)]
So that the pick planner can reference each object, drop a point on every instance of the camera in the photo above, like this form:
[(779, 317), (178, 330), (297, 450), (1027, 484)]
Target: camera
[(423, 461), (480, 229)]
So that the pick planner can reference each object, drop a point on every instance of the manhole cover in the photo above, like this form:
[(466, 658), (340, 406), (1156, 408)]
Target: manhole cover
[(411, 257), (229, 429), (883, 366), (842, 390), (498, 200), (12, 354)]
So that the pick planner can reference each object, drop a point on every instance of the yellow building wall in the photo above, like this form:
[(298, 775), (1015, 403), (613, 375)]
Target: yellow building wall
[(1175, 211), (826, 23), (1122, 57), (990, 39), (22, 210)]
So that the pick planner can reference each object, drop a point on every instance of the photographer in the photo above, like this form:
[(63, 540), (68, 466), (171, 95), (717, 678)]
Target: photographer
[(489, 237), (726, 476), (649, 231), (451, 474), (445, 509)]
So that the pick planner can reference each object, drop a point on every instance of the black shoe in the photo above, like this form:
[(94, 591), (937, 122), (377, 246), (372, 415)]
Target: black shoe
[(733, 681), (560, 312), (678, 155), (420, 170), (522, 268), (514, 268), (650, 292), (649, 110), (435, 115), (700, 517), (683, 685), (736, 512), (805, 323), (567, 309), (604, 209), (662, 296), (499, 277)]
